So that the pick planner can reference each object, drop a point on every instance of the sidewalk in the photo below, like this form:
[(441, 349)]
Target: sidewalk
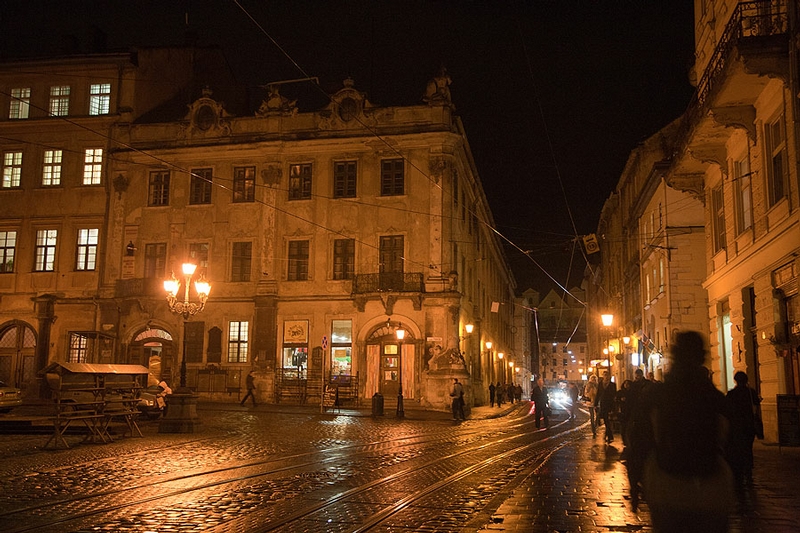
[(584, 487)]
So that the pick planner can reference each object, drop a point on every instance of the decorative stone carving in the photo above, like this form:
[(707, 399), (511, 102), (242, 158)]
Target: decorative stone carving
[(207, 117), (436, 167), (121, 183), (348, 107), (271, 175), (437, 92), (275, 104), (742, 117)]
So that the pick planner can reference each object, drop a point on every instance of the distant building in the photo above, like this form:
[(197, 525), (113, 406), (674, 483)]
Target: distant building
[(563, 353), (321, 232)]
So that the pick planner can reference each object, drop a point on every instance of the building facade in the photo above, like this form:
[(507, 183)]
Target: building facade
[(322, 233)]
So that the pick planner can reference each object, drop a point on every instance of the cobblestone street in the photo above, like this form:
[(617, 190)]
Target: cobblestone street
[(289, 468)]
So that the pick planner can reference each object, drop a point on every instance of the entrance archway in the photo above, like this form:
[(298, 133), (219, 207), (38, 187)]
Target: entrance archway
[(17, 354), (389, 361), (154, 348)]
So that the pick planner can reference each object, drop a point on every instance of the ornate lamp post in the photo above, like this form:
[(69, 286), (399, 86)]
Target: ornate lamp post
[(181, 416), (400, 333)]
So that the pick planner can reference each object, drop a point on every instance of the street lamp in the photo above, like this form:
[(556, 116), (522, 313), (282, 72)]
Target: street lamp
[(400, 333), (181, 415), (489, 345), (511, 370), (500, 356)]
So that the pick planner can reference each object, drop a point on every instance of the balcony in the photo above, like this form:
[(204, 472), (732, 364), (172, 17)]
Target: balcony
[(388, 287)]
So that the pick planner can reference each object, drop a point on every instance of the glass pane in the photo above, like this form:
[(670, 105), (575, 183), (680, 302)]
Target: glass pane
[(342, 332)]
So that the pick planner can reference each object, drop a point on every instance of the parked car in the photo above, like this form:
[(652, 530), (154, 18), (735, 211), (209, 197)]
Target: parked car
[(152, 402), (10, 397)]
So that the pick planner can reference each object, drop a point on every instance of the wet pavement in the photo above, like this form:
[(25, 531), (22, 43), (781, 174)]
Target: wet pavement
[(581, 487)]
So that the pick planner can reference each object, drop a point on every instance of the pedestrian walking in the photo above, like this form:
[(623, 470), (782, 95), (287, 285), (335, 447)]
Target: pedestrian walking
[(541, 401), (250, 384), (510, 392), (573, 396), (743, 412), (518, 392), (500, 393), (606, 402), (687, 482), (638, 432), (590, 393), (491, 394), (623, 409), (457, 402)]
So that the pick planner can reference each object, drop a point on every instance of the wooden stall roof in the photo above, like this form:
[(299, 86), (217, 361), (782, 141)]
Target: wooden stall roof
[(93, 368)]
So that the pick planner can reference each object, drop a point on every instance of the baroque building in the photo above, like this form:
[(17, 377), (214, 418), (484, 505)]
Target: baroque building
[(322, 233)]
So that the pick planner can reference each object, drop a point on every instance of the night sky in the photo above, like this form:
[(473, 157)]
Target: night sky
[(554, 94)]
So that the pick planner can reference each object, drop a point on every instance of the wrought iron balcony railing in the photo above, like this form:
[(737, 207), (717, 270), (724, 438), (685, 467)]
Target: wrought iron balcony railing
[(388, 281)]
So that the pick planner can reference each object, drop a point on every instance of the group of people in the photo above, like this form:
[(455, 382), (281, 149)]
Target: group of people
[(499, 393), (687, 444)]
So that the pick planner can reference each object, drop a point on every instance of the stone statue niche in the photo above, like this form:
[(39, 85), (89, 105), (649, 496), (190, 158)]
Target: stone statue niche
[(437, 92)]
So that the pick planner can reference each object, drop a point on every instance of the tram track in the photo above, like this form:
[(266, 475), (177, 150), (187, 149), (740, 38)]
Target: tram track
[(77, 511)]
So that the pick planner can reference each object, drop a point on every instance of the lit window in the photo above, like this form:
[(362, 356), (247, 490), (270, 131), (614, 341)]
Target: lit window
[(392, 177), (8, 245), (59, 100), (778, 169), (341, 347), (298, 261), (12, 169), (87, 249), (78, 348), (158, 194), (45, 257), (344, 179), (20, 103), (718, 219), (92, 166), (244, 184), (99, 98), (51, 170), (300, 182), (238, 336)]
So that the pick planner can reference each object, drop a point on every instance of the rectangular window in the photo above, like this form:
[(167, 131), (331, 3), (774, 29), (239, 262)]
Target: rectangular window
[(87, 249), (392, 177), (744, 198), (718, 220), (238, 337), (92, 166), (298, 261), (198, 254), (344, 179), (341, 348), (344, 255), (59, 100), (51, 170), (155, 260), (244, 184), (201, 184), (662, 275), (391, 253), (78, 348), (300, 181), (295, 348), (99, 98), (45, 258), (158, 193), (8, 247), (12, 169), (20, 103), (241, 259), (778, 164)]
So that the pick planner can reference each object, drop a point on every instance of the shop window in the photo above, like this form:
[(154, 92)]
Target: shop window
[(295, 348), (341, 347)]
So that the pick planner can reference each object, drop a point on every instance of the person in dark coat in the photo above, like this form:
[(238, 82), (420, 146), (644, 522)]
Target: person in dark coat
[(250, 384), (606, 402), (541, 401), (574, 393), (491, 394), (743, 405), (687, 482), (500, 393)]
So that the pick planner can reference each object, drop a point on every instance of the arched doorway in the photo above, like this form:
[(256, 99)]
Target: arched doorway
[(153, 348), (390, 361), (17, 354)]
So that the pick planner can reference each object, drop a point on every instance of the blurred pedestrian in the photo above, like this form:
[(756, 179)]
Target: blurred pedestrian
[(590, 393), (518, 392), (510, 392), (743, 411), (491, 394), (250, 384), (606, 403), (541, 401), (687, 483), (623, 409), (457, 402), (500, 393), (573, 396)]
